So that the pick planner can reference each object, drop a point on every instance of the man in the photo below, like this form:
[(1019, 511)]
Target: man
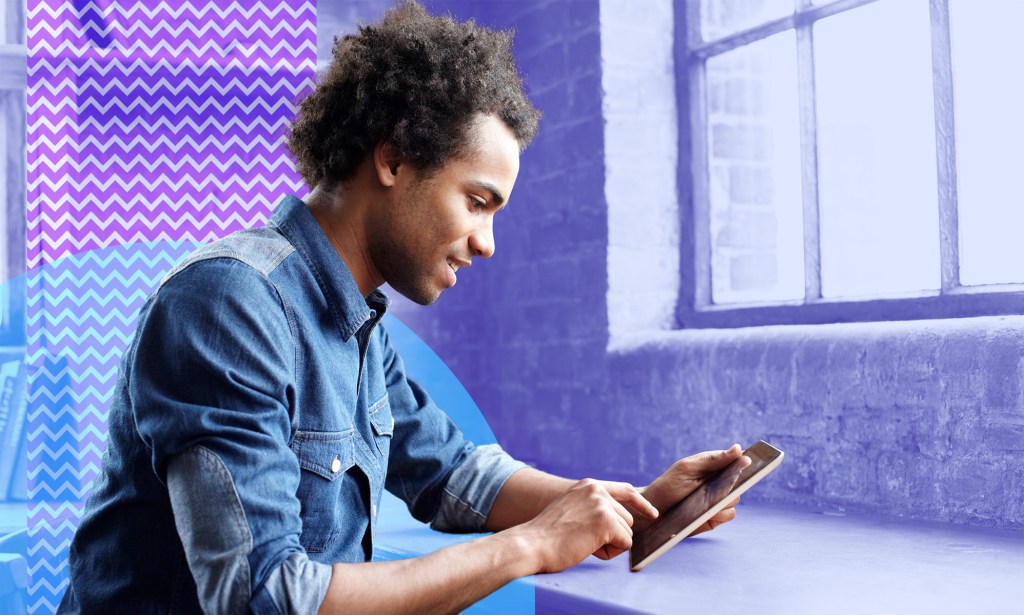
[(261, 410)]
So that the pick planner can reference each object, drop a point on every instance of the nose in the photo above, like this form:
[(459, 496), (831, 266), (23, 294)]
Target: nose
[(481, 242)]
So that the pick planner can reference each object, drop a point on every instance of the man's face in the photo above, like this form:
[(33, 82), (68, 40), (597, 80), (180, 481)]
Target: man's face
[(434, 225)]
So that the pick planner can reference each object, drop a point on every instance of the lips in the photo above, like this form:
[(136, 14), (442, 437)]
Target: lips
[(455, 265), (458, 264)]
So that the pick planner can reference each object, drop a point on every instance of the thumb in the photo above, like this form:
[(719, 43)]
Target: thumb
[(732, 450), (713, 460)]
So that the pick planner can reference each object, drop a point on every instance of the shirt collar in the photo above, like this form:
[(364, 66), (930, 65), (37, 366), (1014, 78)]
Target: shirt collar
[(344, 301)]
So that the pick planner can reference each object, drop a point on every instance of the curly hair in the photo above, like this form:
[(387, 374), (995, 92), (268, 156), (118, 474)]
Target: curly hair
[(414, 81)]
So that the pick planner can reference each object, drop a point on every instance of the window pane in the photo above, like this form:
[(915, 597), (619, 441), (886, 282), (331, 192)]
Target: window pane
[(720, 18), (756, 211), (876, 150), (989, 132)]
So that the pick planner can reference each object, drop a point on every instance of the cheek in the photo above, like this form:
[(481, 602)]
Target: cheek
[(442, 222), (454, 225), (434, 236)]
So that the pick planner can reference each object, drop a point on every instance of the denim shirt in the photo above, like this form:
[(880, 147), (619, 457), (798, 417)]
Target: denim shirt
[(258, 414)]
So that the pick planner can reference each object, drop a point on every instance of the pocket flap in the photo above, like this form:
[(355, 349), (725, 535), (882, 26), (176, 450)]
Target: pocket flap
[(326, 453), (380, 417)]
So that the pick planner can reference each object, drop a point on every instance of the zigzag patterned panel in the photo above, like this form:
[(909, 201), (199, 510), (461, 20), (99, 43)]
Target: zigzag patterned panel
[(152, 127), (81, 315)]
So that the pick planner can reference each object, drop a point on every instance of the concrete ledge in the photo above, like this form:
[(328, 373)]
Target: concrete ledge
[(780, 560), (785, 560), (932, 412)]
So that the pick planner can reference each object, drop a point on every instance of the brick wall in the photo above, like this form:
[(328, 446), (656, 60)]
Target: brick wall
[(638, 80), (526, 331)]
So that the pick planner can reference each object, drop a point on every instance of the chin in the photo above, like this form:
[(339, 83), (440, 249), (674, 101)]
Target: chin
[(424, 299), (421, 294)]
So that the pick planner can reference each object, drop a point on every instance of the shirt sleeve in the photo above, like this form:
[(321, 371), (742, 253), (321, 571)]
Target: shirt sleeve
[(445, 480), (211, 383)]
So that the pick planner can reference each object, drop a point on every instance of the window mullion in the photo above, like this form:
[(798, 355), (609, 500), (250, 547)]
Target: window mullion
[(945, 146), (699, 160), (701, 194), (809, 160)]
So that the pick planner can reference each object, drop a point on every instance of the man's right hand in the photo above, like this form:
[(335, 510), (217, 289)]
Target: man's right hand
[(584, 520)]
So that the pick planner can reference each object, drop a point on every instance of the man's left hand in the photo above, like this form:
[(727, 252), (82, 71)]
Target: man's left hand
[(680, 480)]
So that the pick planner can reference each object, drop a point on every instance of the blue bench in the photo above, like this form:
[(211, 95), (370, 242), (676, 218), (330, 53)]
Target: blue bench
[(13, 572)]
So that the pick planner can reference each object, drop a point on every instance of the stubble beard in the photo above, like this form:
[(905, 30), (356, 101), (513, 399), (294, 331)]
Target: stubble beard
[(400, 272), (399, 261)]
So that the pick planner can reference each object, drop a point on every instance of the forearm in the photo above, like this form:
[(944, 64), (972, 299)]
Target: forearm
[(582, 519), (523, 496), (446, 581)]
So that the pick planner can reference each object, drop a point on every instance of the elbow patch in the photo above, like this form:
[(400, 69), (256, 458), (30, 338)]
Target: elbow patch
[(213, 529)]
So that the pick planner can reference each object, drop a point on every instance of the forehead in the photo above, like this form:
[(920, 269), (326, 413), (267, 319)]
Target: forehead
[(491, 157)]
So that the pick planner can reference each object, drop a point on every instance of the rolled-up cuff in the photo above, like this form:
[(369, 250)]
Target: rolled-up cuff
[(298, 585), (472, 488)]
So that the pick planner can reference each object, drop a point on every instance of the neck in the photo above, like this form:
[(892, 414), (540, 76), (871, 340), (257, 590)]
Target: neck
[(340, 219)]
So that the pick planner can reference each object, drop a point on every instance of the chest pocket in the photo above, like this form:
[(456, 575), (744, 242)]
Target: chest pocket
[(325, 458), (383, 424)]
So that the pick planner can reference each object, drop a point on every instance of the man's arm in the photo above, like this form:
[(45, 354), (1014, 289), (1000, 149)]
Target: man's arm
[(209, 380), (523, 496), (581, 520), (529, 491)]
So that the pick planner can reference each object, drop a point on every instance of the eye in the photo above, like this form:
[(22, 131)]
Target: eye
[(477, 203)]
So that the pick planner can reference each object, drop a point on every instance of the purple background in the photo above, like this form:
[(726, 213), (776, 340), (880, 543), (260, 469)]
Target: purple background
[(919, 419)]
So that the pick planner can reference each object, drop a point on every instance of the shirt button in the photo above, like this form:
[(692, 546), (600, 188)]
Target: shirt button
[(336, 464)]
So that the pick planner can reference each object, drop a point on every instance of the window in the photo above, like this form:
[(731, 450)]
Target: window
[(12, 178), (851, 160)]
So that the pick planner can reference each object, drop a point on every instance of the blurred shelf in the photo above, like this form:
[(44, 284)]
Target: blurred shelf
[(13, 517)]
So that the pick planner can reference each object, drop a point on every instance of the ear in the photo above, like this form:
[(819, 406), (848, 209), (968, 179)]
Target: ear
[(387, 164)]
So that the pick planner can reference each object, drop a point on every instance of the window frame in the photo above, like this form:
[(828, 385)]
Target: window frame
[(695, 308)]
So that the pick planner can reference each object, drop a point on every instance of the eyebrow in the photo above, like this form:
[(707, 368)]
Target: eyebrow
[(496, 195)]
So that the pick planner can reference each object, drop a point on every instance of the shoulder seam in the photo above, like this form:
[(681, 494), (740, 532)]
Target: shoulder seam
[(276, 260)]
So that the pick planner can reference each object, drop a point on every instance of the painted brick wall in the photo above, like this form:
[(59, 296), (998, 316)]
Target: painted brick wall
[(915, 419)]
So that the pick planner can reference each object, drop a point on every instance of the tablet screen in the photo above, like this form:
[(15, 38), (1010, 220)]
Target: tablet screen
[(678, 519)]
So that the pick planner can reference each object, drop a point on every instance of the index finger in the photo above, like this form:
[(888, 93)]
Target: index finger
[(625, 493)]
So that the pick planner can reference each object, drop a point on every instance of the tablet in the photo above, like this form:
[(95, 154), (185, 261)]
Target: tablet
[(695, 509)]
